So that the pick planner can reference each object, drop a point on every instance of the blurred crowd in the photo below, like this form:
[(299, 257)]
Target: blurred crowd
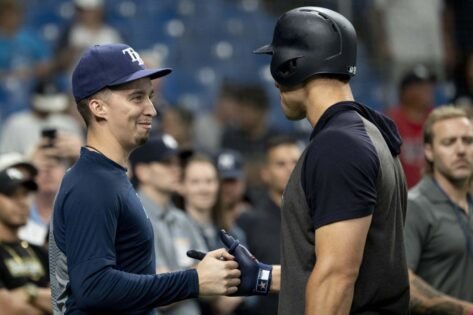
[(201, 171)]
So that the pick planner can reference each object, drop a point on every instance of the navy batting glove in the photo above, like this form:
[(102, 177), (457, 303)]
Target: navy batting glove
[(255, 276)]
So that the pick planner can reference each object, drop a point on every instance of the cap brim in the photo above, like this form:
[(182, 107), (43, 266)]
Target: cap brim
[(145, 73), (10, 188), (266, 49), (30, 185), (29, 167), (225, 175)]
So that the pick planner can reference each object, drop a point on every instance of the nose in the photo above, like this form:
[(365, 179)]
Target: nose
[(150, 110), (461, 148), (22, 202)]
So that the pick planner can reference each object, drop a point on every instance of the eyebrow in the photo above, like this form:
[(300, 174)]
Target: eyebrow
[(139, 91)]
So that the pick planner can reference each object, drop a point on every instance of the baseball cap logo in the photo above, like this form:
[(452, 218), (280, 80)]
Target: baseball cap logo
[(14, 174), (133, 55)]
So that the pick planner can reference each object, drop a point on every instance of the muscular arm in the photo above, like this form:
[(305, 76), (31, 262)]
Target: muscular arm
[(339, 249), (427, 300), (276, 279)]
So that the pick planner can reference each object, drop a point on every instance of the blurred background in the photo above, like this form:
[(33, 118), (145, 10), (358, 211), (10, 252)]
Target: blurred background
[(209, 45), (220, 100)]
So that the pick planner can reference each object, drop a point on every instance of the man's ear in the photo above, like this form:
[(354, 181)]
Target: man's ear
[(429, 154), (98, 108)]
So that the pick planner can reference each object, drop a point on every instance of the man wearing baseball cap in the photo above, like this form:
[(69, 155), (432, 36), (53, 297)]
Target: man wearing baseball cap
[(24, 279), (156, 174), (101, 240)]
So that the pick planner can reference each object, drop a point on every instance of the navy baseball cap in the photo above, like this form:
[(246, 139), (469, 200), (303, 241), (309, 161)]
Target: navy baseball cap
[(157, 149), (109, 65), (12, 178), (230, 165), (418, 74)]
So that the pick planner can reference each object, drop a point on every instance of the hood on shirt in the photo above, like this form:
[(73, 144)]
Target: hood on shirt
[(386, 126)]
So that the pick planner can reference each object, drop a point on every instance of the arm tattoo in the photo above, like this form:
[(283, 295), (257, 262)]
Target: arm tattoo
[(427, 300)]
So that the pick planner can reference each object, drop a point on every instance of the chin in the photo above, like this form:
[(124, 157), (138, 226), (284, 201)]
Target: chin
[(142, 140), (294, 116)]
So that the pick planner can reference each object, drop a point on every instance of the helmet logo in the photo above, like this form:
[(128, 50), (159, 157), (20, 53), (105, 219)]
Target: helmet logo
[(352, 70)]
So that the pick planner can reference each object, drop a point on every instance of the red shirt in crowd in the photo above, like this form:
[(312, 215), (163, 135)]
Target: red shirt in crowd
[(412, 150)]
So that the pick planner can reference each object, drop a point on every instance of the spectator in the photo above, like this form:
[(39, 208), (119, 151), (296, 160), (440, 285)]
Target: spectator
[(177, 122), (156, 174), (232, 201), (200, 187), (208, 128), (439, 243), (24, 275), (408, 32), (251, 131), (262, 225), (24, 57), (416, 100), (51, 170), (22, 132), (86, 29)]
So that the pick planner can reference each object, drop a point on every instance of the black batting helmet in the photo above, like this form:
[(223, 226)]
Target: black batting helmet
[(309, 41)]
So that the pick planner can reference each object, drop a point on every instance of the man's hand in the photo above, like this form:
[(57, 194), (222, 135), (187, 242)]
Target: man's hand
[(255, 276), (218, 274)]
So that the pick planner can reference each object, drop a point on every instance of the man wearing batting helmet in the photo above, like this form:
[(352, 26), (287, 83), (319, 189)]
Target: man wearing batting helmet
[(101, 240), (344, 206)]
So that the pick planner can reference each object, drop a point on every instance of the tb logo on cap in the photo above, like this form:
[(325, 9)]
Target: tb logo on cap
[(133, 55)]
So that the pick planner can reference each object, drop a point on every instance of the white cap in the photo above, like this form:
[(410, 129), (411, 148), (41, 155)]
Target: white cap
[(16, 159)]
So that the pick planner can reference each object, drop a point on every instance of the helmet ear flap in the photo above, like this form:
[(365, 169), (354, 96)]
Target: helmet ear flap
[(288, 68)]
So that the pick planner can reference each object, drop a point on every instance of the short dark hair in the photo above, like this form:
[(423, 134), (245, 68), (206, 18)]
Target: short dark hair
[(278, 140), (83, 105), (253, 95)]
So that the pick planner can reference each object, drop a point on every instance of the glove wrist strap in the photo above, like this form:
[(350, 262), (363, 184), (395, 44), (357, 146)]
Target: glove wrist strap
[(263, 281)]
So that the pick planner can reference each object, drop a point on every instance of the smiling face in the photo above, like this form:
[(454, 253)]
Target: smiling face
[(200, 186), (126, 112), (451, 150)]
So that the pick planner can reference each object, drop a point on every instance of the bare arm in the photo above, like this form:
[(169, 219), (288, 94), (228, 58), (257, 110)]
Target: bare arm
[(331, 284), (276, 279), (14, 302), (427, 300), (43, 301)]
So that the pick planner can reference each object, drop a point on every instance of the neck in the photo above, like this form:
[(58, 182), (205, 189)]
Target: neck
[(44, 204), (108, 147), (200, 216), (456, 191), (275, 196), (160, 198), (323, 93), (8, 234)]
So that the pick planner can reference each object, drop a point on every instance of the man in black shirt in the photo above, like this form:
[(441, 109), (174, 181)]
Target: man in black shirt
[(344, 206), (24, 274), (262, 225)]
